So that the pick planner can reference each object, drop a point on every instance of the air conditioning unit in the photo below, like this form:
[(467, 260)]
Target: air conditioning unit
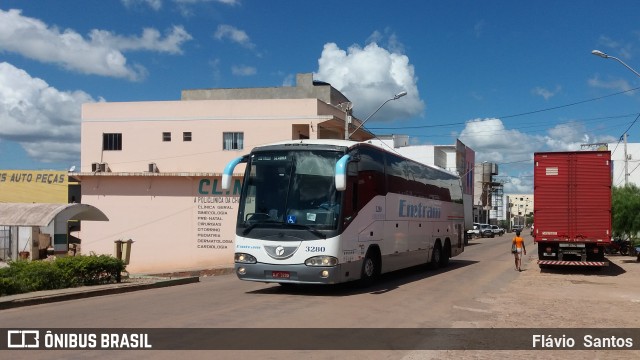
[(95, 167), (153, 168), (103, 167)]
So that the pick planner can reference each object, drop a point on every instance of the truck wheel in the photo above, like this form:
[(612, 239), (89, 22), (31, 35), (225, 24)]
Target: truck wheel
[(624, 251)]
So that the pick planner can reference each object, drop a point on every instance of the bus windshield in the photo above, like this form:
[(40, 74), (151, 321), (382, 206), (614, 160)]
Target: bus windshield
[(290, 188)]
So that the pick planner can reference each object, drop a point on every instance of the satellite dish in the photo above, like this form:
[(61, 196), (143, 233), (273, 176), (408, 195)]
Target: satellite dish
[(72, 169)]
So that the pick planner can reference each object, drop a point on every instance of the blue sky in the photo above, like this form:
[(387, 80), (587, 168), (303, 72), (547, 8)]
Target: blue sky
[(506, 77)]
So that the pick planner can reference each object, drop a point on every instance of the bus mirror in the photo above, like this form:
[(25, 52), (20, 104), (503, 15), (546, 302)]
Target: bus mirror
[(227, 174), (341, 173)]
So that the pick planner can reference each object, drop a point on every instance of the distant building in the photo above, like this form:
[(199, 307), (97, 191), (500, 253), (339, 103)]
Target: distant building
[(520, 207), (632, 164)]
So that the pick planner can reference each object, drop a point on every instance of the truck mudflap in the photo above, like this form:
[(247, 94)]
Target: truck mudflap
[(573, 263)]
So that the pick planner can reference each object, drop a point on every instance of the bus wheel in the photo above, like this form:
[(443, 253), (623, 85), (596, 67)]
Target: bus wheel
[(369, 269), (445, 254), (436, 254)]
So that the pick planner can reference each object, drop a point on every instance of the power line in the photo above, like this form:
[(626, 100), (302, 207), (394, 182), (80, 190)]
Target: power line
[(516, 115), (571, 104)]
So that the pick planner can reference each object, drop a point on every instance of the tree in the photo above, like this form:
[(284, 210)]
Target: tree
[(625, 208)]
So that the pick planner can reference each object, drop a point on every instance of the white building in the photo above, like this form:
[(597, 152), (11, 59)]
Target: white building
[(520, 206), (632, 165)]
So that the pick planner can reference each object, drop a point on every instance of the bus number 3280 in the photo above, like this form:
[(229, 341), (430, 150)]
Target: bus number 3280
[(314, 249)]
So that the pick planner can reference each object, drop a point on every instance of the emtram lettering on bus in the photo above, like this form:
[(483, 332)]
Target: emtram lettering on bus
[(418, 210)]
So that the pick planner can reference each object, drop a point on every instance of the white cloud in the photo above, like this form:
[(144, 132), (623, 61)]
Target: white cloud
[(519, 185), (546, 93), (186, 6), (571, 136), (243, 70), (369, 76), (289, 80), (388, 40), (622, 50), (495, 143), (234, 34), (154, 4), (226, 2), (101, 55), (151, 40), (618, 85), (513, 149), (43, 120)]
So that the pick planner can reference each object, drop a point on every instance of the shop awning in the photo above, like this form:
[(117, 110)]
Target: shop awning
[(24, 214)]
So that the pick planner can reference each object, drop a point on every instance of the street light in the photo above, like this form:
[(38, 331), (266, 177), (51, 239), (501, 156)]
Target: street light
[(605, 56), (347, 117), (395, 97), (626, 157)]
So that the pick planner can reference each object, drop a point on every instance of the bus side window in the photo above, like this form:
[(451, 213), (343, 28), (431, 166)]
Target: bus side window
[(350, 195), (371, 179)]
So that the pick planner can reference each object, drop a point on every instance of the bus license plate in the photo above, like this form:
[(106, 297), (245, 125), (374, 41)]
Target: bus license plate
[(280, 274)]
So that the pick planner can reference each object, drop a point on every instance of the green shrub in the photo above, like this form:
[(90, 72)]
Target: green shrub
[(26, 276), (8, 286), (90, 270)]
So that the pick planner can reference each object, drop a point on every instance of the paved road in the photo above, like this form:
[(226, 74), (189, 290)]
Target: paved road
[(413, 298)]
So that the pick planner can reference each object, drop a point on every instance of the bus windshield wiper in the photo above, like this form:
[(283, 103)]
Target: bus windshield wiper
[(282, 223), (309, 228), (252, 226)]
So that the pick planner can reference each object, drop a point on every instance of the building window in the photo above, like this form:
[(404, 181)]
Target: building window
[(186, 136), (166, 136), (232, 141), (112, 141)]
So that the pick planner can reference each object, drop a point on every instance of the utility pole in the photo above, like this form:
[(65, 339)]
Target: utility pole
[(626, 162), (347, 121)]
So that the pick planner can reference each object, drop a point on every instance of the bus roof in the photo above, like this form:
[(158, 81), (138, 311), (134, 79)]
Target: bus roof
[(334, 142), (348, 144)]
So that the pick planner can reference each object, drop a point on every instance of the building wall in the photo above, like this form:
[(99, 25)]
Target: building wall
[(142, 125), (176, 222), (617, 156), (519, 205), (161, 212)]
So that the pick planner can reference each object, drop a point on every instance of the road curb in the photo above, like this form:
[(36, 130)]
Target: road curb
[(42, 297)]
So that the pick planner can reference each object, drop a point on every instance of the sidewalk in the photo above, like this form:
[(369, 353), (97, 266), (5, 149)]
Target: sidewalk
[(131, 284)]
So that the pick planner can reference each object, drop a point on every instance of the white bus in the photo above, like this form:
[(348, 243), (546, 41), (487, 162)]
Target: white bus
[(331, 211)]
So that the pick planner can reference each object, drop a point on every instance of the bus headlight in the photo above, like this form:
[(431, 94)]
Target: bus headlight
[(244, 258), (321, 261)]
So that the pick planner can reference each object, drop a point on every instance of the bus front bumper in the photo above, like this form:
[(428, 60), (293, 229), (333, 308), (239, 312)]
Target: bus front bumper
[(297, 274)]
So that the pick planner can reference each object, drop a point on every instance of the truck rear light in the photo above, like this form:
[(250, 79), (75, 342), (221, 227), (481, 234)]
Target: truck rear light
[(548, 249), (596, 250)]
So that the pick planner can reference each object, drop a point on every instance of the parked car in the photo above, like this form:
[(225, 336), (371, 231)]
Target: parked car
[(475, 232), (486, 231), (516, 227), (497, 230)]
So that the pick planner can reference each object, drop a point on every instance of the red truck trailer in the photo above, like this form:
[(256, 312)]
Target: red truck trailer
[(572, 207)]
